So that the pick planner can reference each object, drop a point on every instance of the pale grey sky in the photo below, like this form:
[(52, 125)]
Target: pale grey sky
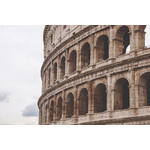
[(21, 58)]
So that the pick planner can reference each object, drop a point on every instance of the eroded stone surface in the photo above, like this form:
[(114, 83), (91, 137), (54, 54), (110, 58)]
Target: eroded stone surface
[(95, 75)]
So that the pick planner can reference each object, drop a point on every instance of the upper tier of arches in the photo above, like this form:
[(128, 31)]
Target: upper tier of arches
[(113, 42)]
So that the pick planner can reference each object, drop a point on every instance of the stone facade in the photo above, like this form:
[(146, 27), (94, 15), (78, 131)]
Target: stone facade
[(95, 74)]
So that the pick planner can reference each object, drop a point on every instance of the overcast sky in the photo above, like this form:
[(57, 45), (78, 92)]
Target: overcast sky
[(21, 58)]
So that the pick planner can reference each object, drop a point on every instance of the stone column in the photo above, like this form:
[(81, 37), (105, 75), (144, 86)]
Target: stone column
[(141, 95), (75, 101), (55, 109), (112, 99), (109, 94), (48, 112), (52, 75), (43, 114), (63, 105), (75, 113), (92, 50), (40, 116), (136, 95), (42, 83), (46, 73), (67, 64), (111, 43), (132, 89), (139, 39), (99, 53), (78, 66), (51, 80), (92, 104), (132, 41), (94, 55), (90, 97), (58, 68)]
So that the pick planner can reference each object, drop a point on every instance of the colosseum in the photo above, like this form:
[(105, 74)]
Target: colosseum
[(95, 75)]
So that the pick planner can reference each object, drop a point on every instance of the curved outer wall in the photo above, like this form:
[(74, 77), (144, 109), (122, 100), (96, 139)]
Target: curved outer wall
[(90, 77)]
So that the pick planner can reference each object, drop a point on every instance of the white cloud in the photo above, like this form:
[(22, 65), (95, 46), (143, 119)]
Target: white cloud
[(4, 97), (31, 110)]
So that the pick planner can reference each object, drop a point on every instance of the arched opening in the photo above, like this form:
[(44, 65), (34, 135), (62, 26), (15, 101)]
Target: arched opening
[(122, 95), (69, 105), (72, 61), (62, 68), (144, 90), (100, 98), (59, 108), (83, 102), (122, 41), (85, 55), (51, 111), (102, 48), (55, 71)]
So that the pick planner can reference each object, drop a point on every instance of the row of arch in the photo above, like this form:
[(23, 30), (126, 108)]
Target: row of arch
[(101, 50), (121, 98)]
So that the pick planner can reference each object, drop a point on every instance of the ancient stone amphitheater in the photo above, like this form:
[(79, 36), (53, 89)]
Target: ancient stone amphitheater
[(95, 74)]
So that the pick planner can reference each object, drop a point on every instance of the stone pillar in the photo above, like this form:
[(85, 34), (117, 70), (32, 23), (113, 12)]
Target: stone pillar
[(94, 55), (136, 95), (92, 50), (48, 112), (132, 89), (118, 47), (63, 105), (112, 99), (109, 94), (141, 95), (99, 53), (67, 64), (78, 66), (92, 104), (43, 114), (75, 102), (55, 109), (46, 116), (40, 116), (58, 68), (47, 76), (90, 97), (42, 83), (111, 43), (139, 39), (132, 41), (52, 75)]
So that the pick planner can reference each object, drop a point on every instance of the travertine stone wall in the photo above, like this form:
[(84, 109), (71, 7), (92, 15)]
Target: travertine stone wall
[(95, 74)]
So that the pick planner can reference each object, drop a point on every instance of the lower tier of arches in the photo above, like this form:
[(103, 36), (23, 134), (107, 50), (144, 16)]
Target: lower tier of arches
[(98, 97)]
